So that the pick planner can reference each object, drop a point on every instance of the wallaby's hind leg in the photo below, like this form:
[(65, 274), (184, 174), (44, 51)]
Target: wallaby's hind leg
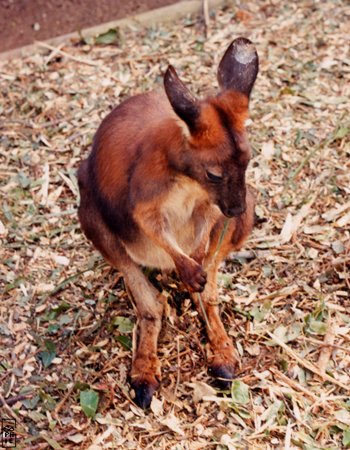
[(145, 372), (222, 360), (222, 355)]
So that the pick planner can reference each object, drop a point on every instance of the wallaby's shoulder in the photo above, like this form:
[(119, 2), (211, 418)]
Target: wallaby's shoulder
[(138, 112)]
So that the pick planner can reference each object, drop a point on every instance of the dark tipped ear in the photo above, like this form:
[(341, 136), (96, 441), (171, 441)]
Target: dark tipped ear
[(239, 67), (183, 102)]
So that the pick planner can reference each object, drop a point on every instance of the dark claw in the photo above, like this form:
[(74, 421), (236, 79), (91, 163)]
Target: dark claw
[(143, 393), (223, 374)]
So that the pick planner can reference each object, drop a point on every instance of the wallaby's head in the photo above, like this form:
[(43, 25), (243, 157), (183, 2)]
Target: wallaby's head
[(216, 151)]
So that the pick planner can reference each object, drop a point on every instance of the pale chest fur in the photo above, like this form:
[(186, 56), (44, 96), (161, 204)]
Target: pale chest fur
[(180, 203), (184, 210)]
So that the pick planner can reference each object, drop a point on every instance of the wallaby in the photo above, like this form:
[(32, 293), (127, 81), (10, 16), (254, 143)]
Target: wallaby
[(164, 187)]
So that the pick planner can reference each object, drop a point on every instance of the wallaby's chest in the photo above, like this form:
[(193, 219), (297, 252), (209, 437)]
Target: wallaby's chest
[(183, 209), (181, 203)]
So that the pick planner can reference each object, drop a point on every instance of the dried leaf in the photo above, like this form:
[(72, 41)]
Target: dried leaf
[(200, 390), (173, 423)]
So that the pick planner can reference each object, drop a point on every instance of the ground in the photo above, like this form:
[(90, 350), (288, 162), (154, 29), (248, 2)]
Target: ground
[(65, 319), (23, 22)]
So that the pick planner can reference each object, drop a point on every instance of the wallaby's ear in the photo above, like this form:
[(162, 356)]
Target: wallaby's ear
[(239, 67), (183, 102)]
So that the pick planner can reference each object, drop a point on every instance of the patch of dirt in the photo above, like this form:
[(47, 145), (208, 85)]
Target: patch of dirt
[(22, 22)]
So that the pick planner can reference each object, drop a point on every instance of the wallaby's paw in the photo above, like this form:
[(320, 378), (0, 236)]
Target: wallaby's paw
[(192, 275), (144, 390), (198, 255)]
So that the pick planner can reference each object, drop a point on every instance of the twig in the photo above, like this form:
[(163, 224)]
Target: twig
[(325, 143), (67, 55), (73, 277), (248, 254), (53, 54), (322, 344), (6, 407), (293, 384), (206, 17), (63, 401), (178, 368), (205, 317), (309, 366), (12, 400), (326, 351), (280, 293), (288, 436)]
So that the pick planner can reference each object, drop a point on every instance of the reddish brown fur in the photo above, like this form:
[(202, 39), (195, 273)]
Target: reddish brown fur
[(236, 106), (154, 192)]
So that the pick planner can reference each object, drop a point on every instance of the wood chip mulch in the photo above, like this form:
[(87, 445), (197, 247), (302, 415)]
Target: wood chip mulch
[(65, 319)]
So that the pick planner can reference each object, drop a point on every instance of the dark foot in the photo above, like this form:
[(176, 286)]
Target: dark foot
[(223, 374), (144, 391)]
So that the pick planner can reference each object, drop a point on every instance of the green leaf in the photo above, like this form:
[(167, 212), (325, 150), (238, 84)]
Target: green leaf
[(125, 341), (23, 180), (47, 358), (244, 413), (63, 306), (225, 280), (81, 386), (36, 416), (316, 326), (52, 329), (346, 438), (48, 402), (50, 346), (342, 132), (65, 319), (54, 444), (110, 37), (48, 355), (240, 392), (31, 403), (259, 313), (89, 402), (274, 409), (123, 324)]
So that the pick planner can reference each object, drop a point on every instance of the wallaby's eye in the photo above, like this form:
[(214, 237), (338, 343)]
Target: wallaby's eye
[(213, 177)]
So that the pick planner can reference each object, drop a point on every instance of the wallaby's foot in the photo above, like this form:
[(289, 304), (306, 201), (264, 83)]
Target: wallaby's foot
[(223, 373), (223, 365), (192, 275), (144, 390), (145, 379)]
